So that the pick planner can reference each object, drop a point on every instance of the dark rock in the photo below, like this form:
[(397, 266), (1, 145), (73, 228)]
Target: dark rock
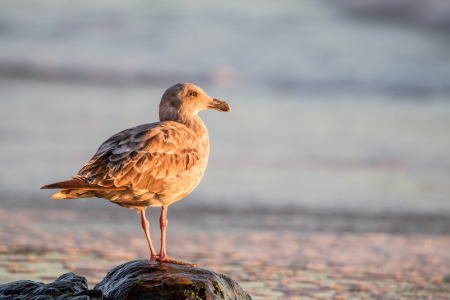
[(22, 287), (140, 279), (68, 286), (94, 293), (144, 279)]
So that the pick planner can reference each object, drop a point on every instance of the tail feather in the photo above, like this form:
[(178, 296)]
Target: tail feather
[(73, 194), (79, 184)]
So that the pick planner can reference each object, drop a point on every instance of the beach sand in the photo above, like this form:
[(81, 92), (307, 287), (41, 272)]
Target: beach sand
[(270, 262)]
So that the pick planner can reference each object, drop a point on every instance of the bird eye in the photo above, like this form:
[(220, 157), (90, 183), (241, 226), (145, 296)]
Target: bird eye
[(193, 93)]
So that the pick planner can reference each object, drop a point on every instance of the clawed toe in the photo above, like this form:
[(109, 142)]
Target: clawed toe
[(174, 261)]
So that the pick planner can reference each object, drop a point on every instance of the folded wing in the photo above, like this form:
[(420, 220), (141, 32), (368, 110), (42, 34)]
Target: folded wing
[(142, 157)]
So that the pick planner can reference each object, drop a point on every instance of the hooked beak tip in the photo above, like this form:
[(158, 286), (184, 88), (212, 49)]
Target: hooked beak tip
[(220, 105)]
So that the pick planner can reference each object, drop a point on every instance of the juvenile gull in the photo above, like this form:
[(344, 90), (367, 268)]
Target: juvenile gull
[(153, 164)]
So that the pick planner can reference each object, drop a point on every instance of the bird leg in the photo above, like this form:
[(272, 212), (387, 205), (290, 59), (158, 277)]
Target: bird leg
[(145, 226), (163, 255), (163, 224)]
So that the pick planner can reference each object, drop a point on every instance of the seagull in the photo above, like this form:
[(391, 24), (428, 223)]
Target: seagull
[(153, 164)]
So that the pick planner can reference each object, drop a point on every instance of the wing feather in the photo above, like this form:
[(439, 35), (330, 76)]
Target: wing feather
[(142, 157)]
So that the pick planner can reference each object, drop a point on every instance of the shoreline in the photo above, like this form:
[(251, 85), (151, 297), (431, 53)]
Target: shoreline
[(216, 218), (269, 262)]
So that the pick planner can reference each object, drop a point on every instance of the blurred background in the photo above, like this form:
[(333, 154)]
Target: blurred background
[(337, 105), (340, 116)]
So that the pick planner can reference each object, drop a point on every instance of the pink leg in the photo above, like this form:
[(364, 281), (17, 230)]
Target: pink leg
[(145, 226), (163, 225), (163, 255)]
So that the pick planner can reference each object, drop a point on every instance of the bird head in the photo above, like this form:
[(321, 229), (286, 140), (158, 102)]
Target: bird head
[(184, 99)]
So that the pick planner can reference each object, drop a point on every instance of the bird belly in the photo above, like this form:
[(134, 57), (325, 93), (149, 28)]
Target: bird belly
[(175, 188), (178, 187)]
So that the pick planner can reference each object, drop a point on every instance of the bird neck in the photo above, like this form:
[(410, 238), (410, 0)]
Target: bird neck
[(188, 118), (196, 124)]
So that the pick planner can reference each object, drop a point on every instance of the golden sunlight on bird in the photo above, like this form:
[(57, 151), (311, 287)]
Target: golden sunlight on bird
[(153, 164)]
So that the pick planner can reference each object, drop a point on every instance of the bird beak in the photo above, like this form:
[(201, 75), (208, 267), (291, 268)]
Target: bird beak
[(219, 105)]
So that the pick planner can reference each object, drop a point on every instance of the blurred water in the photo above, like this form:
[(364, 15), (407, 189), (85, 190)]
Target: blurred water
[(328, 112), (284, 43)]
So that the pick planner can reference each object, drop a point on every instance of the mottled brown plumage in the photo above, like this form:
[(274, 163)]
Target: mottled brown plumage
[(152, 164), (141, 158)]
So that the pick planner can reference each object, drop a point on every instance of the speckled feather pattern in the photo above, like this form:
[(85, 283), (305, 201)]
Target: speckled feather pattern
[(140, 158)]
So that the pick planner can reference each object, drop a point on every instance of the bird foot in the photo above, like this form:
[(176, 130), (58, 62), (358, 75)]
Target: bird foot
[(173, 261)]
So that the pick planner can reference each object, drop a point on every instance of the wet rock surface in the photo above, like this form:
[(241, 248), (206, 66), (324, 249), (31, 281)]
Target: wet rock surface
[(140, 279), (67, 286), (144, 279)]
